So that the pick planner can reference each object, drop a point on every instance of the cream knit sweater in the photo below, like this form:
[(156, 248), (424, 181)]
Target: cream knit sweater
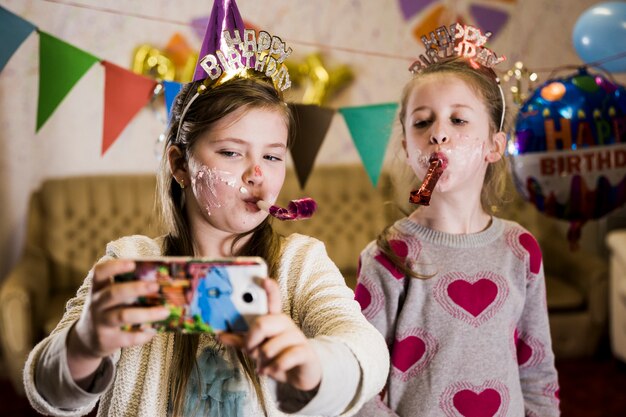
[(313, 294)]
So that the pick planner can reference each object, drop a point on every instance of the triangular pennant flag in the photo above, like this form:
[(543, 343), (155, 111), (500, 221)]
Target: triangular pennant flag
[(13, 31), (170, 90), (370, 127), (61, 65), (411, 7), (125, 93), (312, 123), (489, 18)]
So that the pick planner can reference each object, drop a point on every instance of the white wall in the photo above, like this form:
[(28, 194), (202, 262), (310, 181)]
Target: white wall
[(69, 143)]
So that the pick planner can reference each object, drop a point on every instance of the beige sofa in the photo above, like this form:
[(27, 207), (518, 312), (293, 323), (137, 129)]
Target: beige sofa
[(71, 219)]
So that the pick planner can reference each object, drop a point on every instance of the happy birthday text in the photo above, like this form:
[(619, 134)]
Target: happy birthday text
[(265, 54), (459, 40)]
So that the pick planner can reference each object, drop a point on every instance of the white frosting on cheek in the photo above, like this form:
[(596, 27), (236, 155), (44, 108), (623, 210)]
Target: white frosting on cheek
[(205, 182), (418, 160), (464, 153)]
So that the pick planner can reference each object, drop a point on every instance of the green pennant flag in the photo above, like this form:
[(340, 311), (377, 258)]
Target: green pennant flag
[(61, 65), (370, 127)]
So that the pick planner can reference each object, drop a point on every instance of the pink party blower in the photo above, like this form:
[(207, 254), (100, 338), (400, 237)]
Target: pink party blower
[(296, 209)]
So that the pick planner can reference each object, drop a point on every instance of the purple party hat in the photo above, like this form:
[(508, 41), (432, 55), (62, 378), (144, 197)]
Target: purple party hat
[(230, 50), (224, 16)]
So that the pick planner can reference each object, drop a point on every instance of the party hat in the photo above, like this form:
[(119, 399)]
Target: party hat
[(230, 50), (224, 16)]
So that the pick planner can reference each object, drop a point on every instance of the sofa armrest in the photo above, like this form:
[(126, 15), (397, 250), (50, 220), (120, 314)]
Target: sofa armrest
[(23, 296), (585, 271), (616, 241)]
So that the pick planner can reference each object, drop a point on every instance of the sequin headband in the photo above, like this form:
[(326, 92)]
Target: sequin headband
[(459, 40), (243, 57)]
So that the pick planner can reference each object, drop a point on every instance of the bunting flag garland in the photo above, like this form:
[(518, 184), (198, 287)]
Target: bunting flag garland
[(492, 15), (13, 31), (312, 123), (64, 65), (170, 91), (370, 127), (125, 93)]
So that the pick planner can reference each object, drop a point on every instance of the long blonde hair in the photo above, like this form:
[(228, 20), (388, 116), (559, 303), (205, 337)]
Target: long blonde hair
[(484, 81), (210, 107)]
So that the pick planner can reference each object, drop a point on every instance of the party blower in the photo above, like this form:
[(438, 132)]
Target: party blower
[(437, 164), (300, 209)]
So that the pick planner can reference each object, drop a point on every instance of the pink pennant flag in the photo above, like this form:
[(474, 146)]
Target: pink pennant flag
[(125, 93)]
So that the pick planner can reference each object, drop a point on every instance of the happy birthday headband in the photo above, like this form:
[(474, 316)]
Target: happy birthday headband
[(226, 54), (237, 55), (459, 40)]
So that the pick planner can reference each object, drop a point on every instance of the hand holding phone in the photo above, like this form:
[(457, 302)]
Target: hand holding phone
[(204, 295)]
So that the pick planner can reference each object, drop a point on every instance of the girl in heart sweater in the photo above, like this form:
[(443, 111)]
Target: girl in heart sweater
[(458, 294)]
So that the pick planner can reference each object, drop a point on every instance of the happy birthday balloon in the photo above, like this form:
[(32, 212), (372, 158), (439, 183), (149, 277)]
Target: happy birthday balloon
[(320, 82), (153, 62), (568, 153)]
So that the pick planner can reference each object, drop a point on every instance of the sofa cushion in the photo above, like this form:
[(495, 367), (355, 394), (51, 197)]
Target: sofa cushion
[(562, 295), (80, 215)]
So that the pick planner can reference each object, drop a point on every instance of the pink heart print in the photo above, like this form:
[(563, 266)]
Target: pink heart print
[(524, 352), (362, 295), (407, 352), (369, 296), (534, 251), (400, 248), (483, 404), (473, 297)]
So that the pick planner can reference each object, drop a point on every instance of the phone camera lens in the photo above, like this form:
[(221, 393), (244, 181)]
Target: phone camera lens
[(247, 297)]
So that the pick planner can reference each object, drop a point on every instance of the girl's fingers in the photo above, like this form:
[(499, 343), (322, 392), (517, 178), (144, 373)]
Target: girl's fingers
[(273, 296), (124, 293), (274, 346), (265, 327), (105, 271), (117, 317), (282, 367)]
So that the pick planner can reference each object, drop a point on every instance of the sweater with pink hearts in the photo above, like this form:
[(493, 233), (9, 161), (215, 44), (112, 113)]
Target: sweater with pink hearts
[(471, 340)]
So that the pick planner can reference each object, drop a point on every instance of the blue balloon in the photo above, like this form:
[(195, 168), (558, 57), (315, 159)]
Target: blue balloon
[(600, 32)]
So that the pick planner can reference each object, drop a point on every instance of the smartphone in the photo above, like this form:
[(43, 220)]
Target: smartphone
[(203, 295)]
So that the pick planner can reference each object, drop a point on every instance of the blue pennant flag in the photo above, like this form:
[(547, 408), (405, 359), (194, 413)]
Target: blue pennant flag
[(13, 31), (171, 90)]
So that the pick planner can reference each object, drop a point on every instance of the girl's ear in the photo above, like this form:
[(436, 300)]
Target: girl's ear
[(178, 165), (497, 147)]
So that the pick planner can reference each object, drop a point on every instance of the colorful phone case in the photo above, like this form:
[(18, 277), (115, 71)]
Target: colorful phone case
[(203, 295)]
